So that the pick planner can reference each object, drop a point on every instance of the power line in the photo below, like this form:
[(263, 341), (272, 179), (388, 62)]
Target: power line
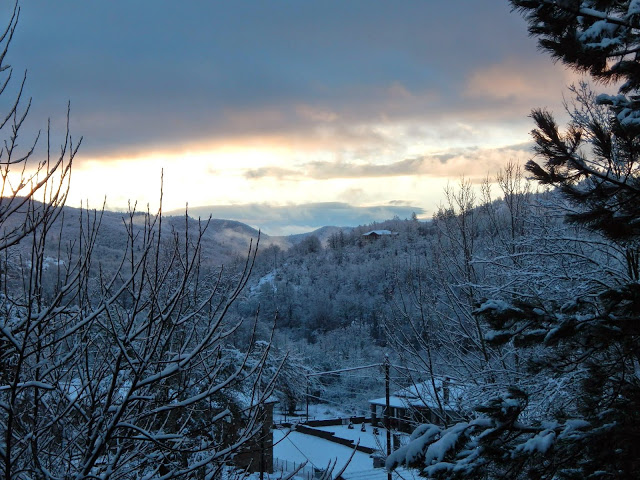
[(296, 447), (350, 369)]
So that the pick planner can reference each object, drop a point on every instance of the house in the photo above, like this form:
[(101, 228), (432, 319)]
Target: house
[(374, 235), (257, 454), (437, 401)]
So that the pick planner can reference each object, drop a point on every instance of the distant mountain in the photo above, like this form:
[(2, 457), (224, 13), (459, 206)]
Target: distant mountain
[(232, 233), (225, 230), (301, 218), (323, 234), (220, 225), (223, 241)]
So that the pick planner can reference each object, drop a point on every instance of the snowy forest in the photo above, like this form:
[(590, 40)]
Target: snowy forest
[(139, 345)]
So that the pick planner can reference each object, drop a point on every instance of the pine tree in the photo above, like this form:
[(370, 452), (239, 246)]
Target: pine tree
[(589, 341)]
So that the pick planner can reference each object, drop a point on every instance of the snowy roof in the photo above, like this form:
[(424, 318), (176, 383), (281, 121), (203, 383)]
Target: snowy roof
[(379, 232), (394, 401), (252, 399), (423, 395)]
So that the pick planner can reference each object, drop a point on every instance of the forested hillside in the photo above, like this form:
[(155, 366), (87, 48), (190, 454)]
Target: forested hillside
[(141, 345), (415, 294)]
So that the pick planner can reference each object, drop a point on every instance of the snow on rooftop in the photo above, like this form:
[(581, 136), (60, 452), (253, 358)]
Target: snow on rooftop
[(397, 402), (379, 232), (250, 399)]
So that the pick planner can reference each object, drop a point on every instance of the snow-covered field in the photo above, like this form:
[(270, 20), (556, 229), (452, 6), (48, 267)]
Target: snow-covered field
[(366, 438), (298, 447)]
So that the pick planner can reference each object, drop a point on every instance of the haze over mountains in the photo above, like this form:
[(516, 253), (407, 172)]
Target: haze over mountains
[(289, 219), (224, 240)]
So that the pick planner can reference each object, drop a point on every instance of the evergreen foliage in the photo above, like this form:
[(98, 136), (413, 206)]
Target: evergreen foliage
[(588, 339)]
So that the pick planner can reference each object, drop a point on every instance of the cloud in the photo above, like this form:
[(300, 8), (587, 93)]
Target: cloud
[(470, 162), (179, 74), (362, 101), (288, 219), (528, 82), (276, 172), (316, 114)]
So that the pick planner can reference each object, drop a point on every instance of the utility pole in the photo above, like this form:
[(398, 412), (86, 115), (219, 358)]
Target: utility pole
[(307, 399), (262, 465), (387, 410)]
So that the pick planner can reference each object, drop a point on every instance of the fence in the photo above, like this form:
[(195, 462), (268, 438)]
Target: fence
[(287, 421), (286, 466)]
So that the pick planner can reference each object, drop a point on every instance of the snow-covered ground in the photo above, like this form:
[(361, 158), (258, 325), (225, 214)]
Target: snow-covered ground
[(316, 412), (298, 447), (269, 278), (366, 438)]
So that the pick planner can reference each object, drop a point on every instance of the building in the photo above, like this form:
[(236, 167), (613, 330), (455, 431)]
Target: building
[(436, 401), (374, 235), (257, 454)]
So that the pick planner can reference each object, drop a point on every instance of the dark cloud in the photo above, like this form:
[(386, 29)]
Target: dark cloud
[(444, 158), (284, 220), (156, 74)]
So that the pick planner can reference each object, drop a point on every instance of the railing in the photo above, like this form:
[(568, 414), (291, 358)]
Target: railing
[(291, 420), (324, 422), (285, 466)]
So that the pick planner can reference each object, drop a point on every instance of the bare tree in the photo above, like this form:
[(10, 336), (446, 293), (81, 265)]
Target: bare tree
[(31, 190), (432, 326), (438, 290), (112, 373)]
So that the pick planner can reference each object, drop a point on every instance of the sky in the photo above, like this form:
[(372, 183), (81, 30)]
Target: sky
[(287, 115)]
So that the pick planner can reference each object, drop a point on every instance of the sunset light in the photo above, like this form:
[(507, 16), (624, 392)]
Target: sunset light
[(385, 108), (319, 240)]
